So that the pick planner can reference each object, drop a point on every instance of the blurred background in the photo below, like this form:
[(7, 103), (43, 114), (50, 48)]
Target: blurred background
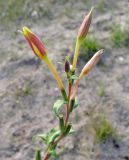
[(28, 90)]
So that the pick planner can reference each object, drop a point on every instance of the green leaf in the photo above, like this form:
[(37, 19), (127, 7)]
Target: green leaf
[(73, 77), (64, 95), (76, 103), (38, 155), (61, 124), (54, 154), (43, 137), (71, 131), (66, 132), (73, 104), (53, 136), (50, 136), (57, 105)]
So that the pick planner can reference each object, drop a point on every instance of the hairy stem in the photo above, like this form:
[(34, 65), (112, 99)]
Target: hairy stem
[(54, 144), (67, 106), (76, 54), (75, 89), (47, 155)]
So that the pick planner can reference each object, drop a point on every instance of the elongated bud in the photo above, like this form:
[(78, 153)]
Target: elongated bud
[(91, 63), (40, 51), (84, 28), (35, 43), (72, 102), (67, 66)]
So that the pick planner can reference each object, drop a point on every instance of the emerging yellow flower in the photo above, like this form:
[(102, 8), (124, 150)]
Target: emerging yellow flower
[(40, 51), (35, 43)]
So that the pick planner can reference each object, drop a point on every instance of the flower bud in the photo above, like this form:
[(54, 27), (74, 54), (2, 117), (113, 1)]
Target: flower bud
[(67, 66), (35, 43), (84, 28), (91, 63), (40, 51)]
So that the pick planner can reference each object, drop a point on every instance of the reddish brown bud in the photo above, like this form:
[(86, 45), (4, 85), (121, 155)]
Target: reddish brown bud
[(67, 65), (40, 51), (35, 43), (84, 28)]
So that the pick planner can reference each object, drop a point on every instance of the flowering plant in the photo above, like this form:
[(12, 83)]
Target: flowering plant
[(52, 138)]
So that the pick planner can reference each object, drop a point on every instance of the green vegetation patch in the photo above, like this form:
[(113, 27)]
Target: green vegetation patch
[(120, 36), (103, 129), (13, 10), (88, 48), (101, 91)]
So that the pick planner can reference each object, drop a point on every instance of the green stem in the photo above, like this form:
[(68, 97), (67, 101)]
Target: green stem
[(61, 136), (57, 77), (67, 106), (76, 54), (75, 89), (66, 121)]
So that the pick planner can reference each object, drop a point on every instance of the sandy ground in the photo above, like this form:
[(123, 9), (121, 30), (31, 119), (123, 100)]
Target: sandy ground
[(28, 90)]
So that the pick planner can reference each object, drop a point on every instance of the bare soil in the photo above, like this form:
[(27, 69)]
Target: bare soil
[(28, 90)]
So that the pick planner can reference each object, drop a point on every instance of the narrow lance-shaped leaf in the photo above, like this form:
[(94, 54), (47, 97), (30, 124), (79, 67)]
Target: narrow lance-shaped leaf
[(72, 101), (43, 137), (76, 103), (54, 154), (57, 106), (61, 123), (67, 131), (54, 136), (73, 104), (72, 131), (38, 155)]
